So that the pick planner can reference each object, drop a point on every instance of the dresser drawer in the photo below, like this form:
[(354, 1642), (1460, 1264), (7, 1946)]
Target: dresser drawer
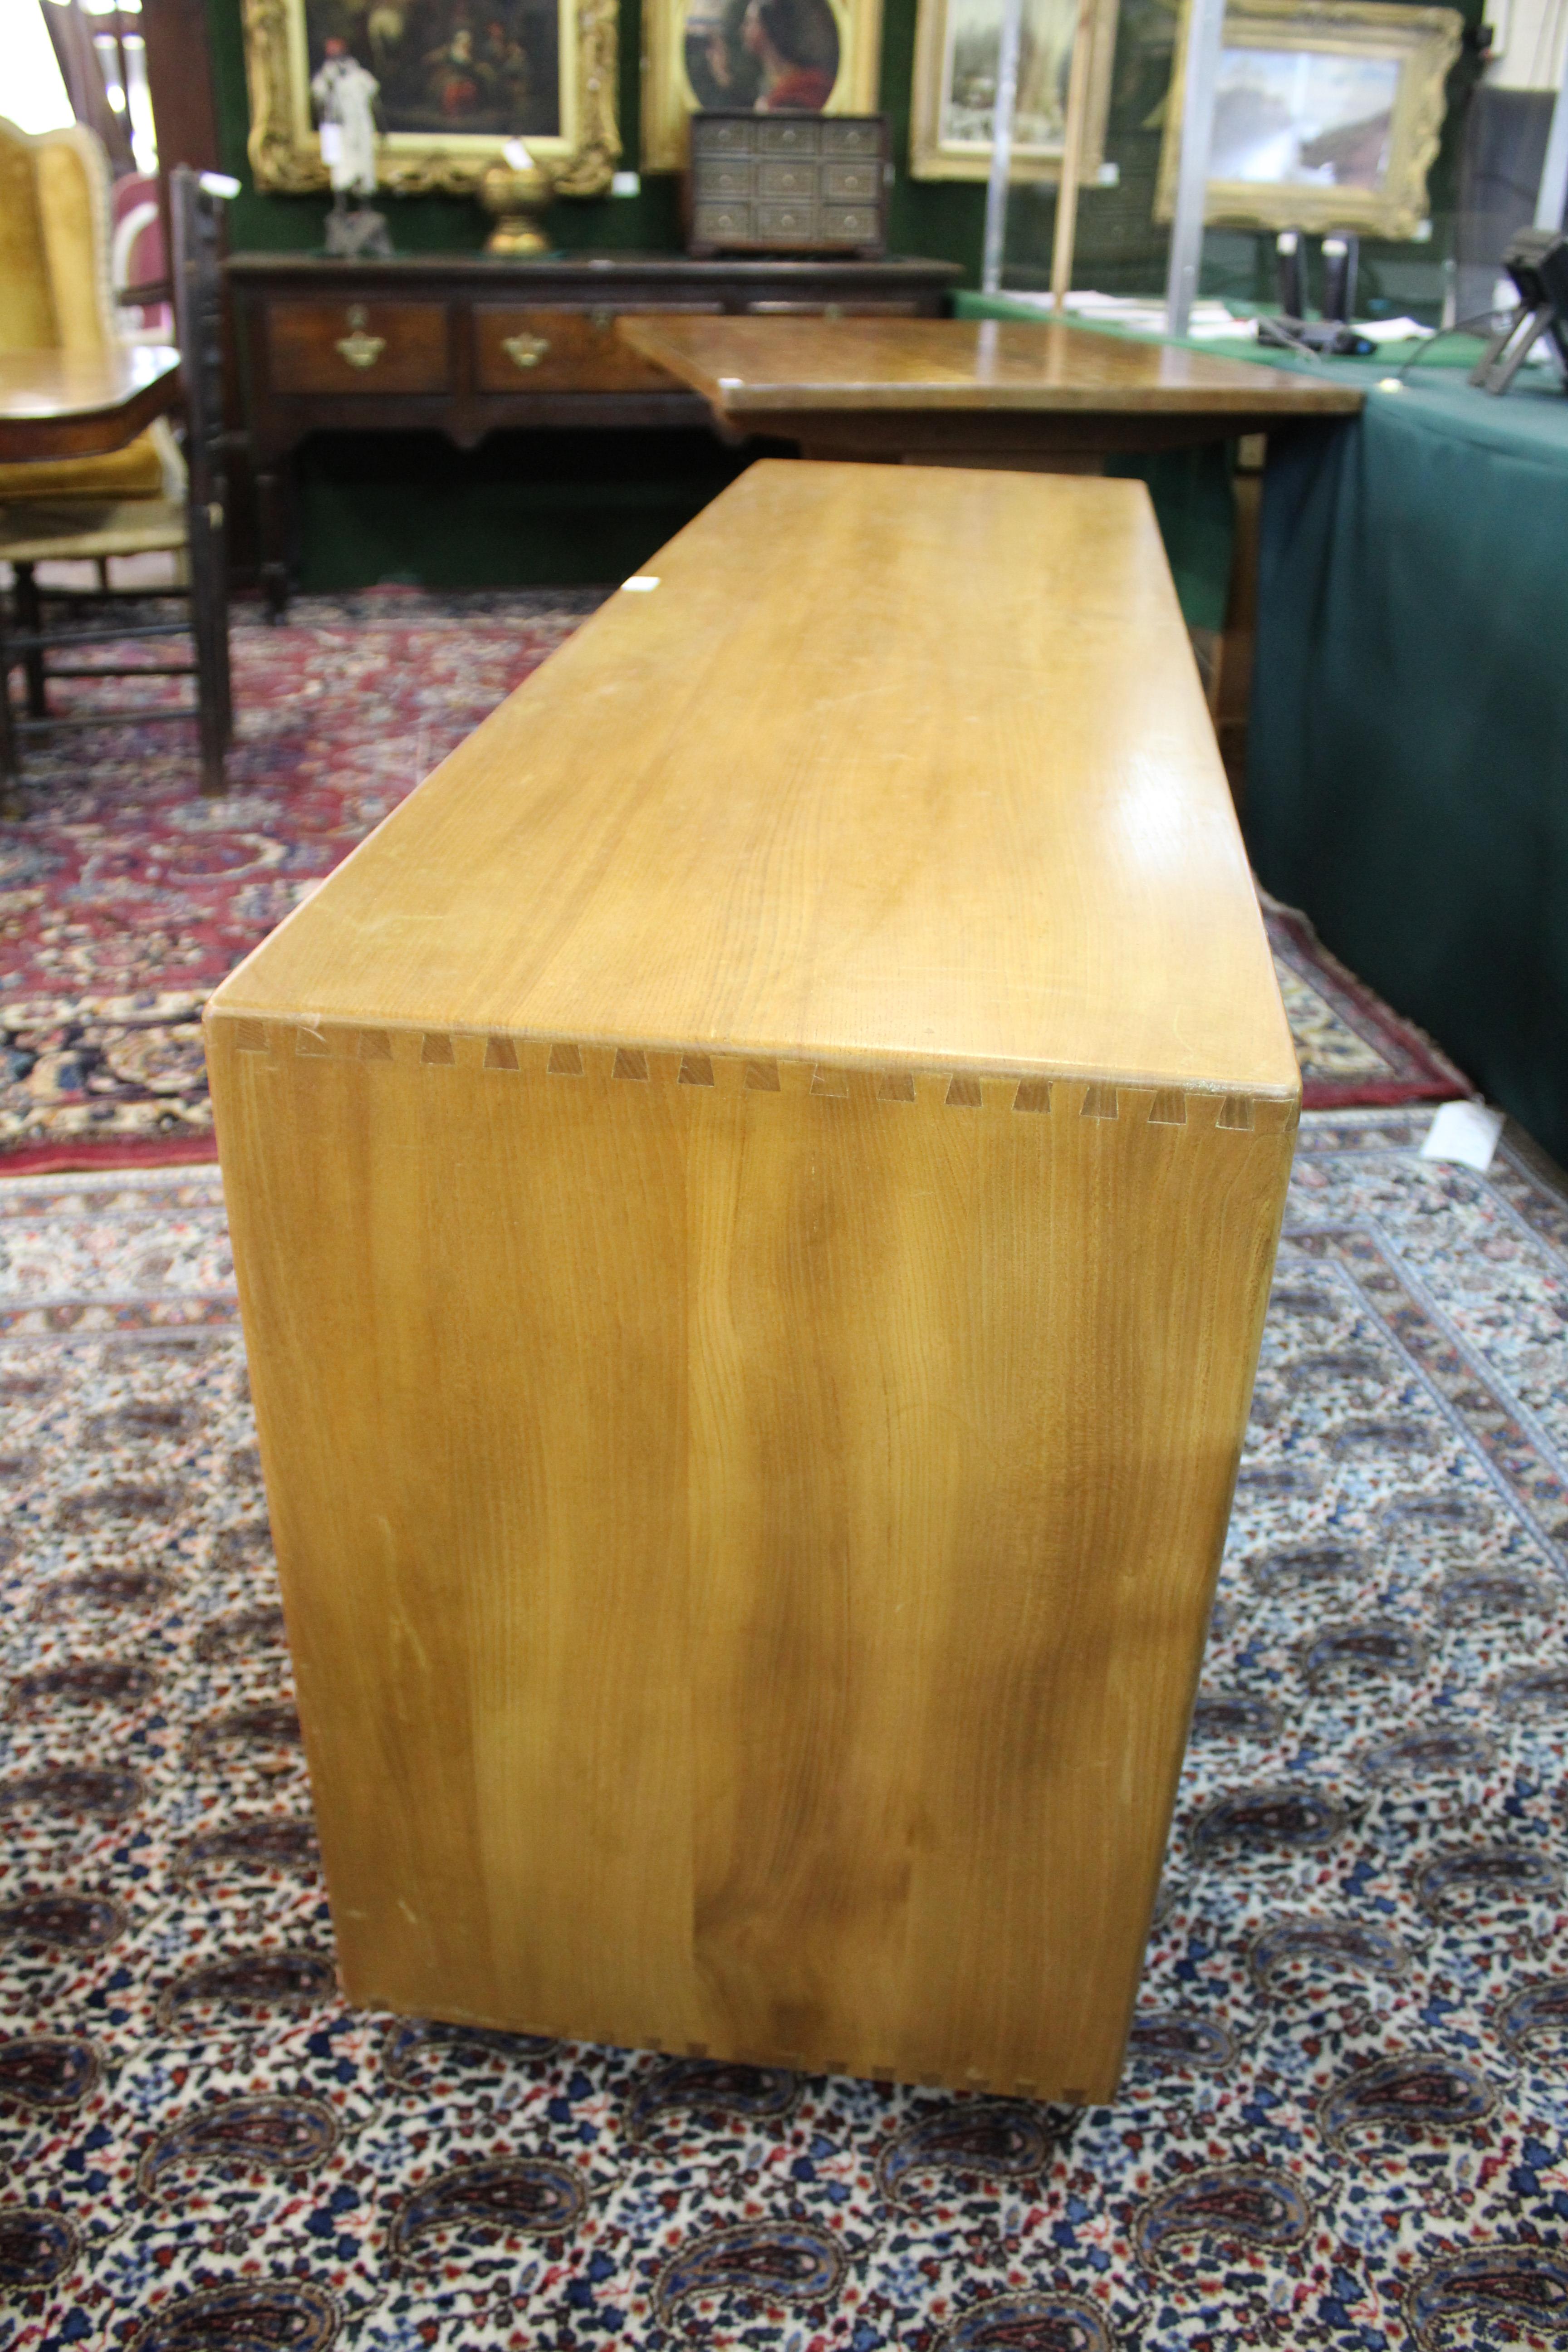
[(728, 182), (851, 184), (519, 349), (729, 224), (787, 224), (785, 179), (849, 225), (797, 135), (358, 347), (724, 136), (859, 135)]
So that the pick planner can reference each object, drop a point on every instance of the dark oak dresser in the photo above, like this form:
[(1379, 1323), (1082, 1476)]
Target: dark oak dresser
[(469, 345)]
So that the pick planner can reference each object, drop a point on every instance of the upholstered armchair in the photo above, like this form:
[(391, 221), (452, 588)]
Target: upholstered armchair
[(141, 500), (55, 296)]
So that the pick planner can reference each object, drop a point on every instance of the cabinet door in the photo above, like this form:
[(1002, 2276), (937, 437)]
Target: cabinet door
[(358, 347), (523, 348)]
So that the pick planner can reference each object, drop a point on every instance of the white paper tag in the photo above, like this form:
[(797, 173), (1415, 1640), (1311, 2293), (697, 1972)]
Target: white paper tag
[(1465, 1131), (517, 155), (332, 144)]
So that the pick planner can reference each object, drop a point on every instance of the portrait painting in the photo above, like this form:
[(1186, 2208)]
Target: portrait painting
[(454, 80), (772, 54), (958, 47), (775, 57), (1326, 115)]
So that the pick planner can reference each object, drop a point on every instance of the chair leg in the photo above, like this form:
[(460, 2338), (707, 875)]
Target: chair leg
[(30, 615), (209, 559), (10, 759)]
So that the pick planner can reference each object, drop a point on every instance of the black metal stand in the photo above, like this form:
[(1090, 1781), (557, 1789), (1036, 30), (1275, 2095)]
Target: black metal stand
[(1537, 261)]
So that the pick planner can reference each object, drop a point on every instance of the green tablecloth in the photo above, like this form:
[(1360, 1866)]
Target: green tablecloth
[(1407, 755), (1191, 488)]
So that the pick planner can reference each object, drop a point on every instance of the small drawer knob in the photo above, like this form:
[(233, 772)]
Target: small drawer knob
[(525, 351)]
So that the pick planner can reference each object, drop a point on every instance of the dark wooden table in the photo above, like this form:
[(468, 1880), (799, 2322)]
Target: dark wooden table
[(1052, 397), (70, 404), (469, 345)]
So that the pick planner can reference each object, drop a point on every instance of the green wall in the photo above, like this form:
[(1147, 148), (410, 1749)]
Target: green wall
[(535, 509)]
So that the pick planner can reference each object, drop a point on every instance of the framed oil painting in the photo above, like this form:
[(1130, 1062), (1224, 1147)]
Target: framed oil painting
[(813, 57), (458, 79), (958, 45), (1326, 115)]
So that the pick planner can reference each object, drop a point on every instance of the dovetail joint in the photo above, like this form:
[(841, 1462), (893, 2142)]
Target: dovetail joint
[(958, 1090)]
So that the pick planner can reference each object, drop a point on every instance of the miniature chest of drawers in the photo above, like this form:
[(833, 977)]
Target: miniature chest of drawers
[(755, 1194), (788, 184)]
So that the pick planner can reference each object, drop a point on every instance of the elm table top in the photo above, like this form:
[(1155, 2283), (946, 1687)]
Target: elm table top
[(802, 792), (58, 404), (751, 369)]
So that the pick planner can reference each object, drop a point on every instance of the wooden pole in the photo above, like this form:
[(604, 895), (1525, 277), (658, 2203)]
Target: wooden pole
[(1072, 153)]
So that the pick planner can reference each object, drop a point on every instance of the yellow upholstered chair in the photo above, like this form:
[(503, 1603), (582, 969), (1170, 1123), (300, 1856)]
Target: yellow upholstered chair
[(55, 295)]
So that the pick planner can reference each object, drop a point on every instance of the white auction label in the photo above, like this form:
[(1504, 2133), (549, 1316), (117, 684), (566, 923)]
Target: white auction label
[(1465, 1131)]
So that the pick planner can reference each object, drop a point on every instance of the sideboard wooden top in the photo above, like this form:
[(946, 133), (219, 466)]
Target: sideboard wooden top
[(322, 273), (747, 367), (893, 767)]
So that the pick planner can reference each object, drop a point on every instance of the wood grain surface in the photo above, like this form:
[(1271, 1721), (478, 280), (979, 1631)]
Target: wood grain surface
[(895, 767), (748, 1516), (751, 367), (83, 404)]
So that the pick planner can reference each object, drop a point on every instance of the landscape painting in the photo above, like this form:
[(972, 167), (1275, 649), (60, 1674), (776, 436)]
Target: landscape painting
[(1327, 116), (958, 46)]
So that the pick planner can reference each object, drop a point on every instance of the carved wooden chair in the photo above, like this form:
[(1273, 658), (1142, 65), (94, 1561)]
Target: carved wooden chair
[(55, 294)]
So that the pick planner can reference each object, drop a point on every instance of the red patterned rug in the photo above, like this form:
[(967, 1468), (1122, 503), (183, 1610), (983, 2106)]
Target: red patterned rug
[(124, 897), (1354, 1051)]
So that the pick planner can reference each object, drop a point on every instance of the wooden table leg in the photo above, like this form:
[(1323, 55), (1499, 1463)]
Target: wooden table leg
[(272, 516), (1230, 683), (980, 459)]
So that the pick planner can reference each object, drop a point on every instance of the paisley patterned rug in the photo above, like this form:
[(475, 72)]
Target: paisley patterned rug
[(1345, 2118), (124, 897)]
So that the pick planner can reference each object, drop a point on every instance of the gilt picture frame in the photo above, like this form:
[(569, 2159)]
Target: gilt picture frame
[(1327, 116), (820, 57), (957, 45), (459, 79)]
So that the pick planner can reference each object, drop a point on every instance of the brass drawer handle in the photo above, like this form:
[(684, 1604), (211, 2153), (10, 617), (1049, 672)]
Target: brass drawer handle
[(525, 351), (360, 349)]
